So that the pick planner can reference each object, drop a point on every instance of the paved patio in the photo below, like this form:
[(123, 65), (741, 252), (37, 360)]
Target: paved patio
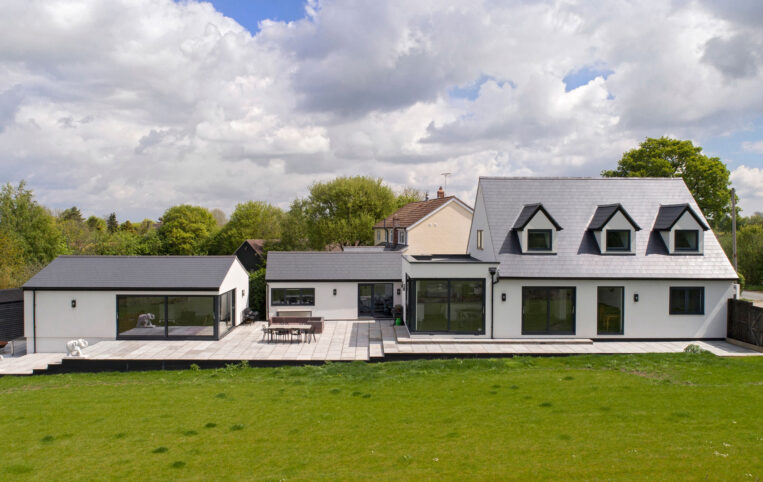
[(372, 340)]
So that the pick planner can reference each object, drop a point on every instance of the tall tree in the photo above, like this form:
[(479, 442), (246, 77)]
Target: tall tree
[(95, 223), (71, 214), (30, 223), (220, 217), (15, 269), (706, 177), (112, 225), (344, 210), (294, 228), (185, 229), (250, 220)]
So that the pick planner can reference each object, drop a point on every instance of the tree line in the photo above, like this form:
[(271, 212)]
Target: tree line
[(337, 212)]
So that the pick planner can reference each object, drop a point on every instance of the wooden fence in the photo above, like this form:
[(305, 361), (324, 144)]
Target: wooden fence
[(745, 322)]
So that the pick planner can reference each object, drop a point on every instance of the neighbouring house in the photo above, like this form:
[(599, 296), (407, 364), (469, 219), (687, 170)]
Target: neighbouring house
[(133, 297), (439, 225), (337, 285), (11, 314), (603, 258), (251, 253)]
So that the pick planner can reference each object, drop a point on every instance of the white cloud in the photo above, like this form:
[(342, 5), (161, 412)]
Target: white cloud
[(748, 182), (137, 105)]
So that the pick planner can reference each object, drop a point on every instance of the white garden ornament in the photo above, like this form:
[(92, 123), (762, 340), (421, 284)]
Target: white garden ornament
[(145, 321), (74, 347)]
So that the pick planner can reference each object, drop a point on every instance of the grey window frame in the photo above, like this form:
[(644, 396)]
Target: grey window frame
[(686, 300), (412, 305), (550, 240), (695, 249), (300, 296), (548, 289), (622, 311), (621, 250), (215, 324)]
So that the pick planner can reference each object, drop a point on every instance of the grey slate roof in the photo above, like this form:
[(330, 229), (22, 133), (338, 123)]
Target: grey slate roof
[(574, 202), (668, 215), (333, 266), (605, 212), (133, 273), (527, 214)]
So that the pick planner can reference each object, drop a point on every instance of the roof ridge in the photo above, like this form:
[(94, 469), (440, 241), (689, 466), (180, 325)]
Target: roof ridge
[(573, 178)]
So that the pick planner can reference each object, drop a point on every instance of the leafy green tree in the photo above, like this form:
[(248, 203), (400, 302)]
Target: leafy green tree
[(124, 243), (257, 292), (706, 177), (71, 214), (293, 229), (220, 217), (128, 226), (250, 220), (95, 223), (112, 225), (749, 251), (150, 244), (344, 210), (15, 270), (30, 224), (77, 236), (185, 230)]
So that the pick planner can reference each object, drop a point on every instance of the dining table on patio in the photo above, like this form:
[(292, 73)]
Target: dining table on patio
[(290, 328)]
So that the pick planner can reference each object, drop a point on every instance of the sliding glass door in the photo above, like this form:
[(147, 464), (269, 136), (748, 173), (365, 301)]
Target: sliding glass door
[(548, 311), (448, 306), (375, 300)]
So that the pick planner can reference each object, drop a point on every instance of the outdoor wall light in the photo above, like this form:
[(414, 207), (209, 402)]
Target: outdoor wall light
[(74, 303), (334, 291), (398, 291), (635, 297), (243, 293), (503, 296)]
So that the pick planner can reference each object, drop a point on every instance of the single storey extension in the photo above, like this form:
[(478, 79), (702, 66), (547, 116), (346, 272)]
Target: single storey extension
[(133, 297), (336, 285)]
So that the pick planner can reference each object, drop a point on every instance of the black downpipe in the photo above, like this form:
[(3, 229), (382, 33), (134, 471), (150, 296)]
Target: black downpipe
[(34, 321), (494, 282)]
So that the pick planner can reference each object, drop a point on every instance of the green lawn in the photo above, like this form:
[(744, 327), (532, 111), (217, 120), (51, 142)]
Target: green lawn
[(677, 416)]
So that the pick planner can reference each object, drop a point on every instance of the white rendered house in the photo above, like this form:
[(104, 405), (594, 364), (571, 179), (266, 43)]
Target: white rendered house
[(603, 258), (133, 298)]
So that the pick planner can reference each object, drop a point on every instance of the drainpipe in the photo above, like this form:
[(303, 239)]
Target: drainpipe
[(494, 281), (34, 320)]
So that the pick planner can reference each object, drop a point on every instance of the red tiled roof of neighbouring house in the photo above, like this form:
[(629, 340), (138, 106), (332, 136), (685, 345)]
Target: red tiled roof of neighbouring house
[(413, 212)]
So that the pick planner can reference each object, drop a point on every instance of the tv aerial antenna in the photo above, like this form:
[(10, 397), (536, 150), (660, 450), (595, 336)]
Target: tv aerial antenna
[(445, 176)]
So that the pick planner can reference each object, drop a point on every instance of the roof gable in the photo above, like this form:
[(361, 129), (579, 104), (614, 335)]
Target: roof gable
[(413, 213), (604, 213), (669, 214), (529, 211)]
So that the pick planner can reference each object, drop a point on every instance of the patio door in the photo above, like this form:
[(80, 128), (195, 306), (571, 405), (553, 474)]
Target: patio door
[(375, 300)]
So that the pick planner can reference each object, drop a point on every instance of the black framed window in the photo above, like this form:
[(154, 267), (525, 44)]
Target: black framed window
[(539, 240), (168, 317), (610, 302), (618, 240), (686, 240), (292, 296), (447, 305), (687, 300), (548, 310)]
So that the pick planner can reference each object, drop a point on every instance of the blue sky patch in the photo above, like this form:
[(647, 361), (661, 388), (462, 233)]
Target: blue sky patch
[(472, 91), (249, 13), (582, 76), (729, 148)]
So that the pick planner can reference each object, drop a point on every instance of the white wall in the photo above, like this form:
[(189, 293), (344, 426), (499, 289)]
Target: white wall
[(342, 306), (238, 279), (479, 221), (94, 318), (647, 318)]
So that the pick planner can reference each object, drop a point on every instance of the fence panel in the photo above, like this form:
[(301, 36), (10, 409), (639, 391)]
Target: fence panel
[(745, 322)]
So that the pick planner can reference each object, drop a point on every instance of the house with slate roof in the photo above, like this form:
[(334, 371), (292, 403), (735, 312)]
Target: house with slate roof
[(133, 298), (599, 258)]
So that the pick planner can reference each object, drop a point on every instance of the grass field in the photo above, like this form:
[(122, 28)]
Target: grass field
[(675, 416)]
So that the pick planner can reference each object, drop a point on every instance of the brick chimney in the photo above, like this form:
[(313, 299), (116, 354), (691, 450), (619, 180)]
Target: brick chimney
[(440, 193)]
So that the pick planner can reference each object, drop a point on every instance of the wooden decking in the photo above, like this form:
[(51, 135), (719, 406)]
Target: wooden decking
[(363, 340)]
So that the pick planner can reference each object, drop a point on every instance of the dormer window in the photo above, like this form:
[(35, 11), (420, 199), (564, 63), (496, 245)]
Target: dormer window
[(536, 230), (614, 229), (681, 229), (686, 240), (401, 236), (618, 240), (539, 240)]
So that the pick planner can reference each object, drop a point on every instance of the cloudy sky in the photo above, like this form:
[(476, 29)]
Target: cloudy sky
[(132, 106)]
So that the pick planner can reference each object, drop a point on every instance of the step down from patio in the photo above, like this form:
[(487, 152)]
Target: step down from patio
[(403, 336)]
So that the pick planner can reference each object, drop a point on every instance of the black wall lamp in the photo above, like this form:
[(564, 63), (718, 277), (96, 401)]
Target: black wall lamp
[(74, 303), (503, 296), (635, 297), (334, 291), (398, 291)]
